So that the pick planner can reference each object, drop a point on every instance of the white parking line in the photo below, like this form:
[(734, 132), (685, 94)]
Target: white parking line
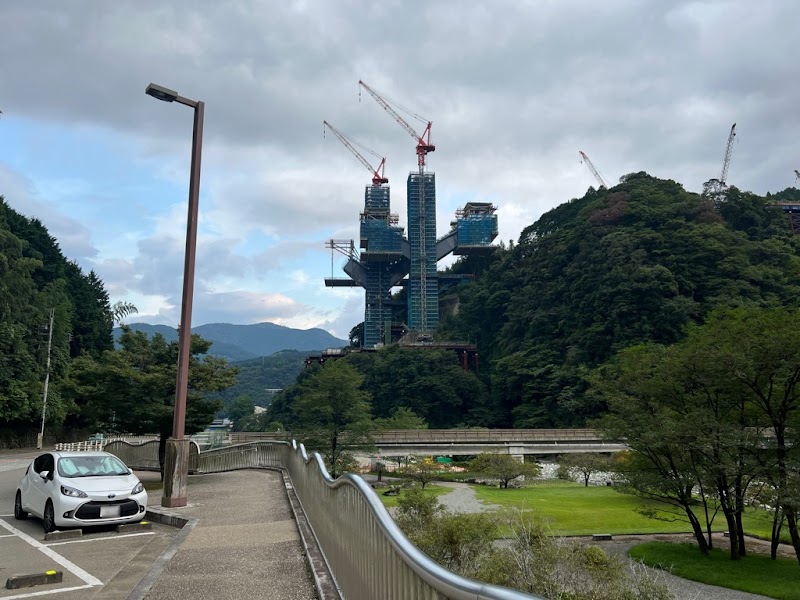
[(42, 593), (87, 578), (6, 515), (98, 539)]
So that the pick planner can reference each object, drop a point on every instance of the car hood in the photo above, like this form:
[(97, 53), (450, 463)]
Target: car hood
[(120, 484)]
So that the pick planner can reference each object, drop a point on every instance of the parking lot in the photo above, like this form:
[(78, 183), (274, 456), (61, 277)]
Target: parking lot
[(100, 564)]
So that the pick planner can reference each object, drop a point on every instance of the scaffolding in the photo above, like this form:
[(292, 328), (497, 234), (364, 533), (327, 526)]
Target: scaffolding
[(381, 243), (476, 228), (423, 284)]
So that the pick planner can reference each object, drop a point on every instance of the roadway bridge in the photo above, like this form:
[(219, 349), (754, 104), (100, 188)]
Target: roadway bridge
[(465, 442)]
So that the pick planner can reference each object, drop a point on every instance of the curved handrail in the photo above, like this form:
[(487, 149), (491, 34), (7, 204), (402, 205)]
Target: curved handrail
[(442, 580)]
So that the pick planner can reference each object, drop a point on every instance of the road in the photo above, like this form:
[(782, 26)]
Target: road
[(100, 564)]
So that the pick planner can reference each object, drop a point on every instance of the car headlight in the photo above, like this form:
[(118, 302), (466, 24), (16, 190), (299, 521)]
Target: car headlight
[(138, 489), (72, 492)]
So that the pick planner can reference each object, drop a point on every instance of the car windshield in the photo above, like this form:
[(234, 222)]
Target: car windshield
[(91, 466)]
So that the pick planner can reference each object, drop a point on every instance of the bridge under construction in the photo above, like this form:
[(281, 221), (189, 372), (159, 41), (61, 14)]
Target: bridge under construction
[(386, 258)]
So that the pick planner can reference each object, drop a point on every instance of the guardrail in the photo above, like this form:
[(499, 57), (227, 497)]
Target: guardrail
[(144, 457), (448, 436), (369, 556)]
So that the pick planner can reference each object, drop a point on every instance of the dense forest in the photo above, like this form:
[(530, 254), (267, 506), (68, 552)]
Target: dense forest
[(36, 278), (636, 263)]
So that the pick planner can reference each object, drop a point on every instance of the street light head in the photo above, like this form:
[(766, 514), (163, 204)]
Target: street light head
[(159, 92)]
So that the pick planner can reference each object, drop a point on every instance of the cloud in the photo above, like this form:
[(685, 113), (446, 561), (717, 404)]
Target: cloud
[(514, 90), (22, 195)]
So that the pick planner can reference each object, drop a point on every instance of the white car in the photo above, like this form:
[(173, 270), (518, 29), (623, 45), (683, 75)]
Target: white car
[(76, 489)]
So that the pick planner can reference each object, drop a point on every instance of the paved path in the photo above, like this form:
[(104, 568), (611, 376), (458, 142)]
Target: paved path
[(462, 499), (245, 544)]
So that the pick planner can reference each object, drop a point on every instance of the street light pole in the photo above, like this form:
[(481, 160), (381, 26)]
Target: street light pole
[(176, 462)]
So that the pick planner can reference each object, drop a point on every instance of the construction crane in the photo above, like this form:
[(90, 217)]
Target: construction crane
[(726, 162), (378, 177), (423, 147), (796, 174), (590, 166), (423, 141), (716, 187)]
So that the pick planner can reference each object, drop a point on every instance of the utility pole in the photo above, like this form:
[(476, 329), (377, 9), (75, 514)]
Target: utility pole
[(40, 440)]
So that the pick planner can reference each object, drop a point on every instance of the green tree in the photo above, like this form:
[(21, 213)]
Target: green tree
[(332, 413), (431, 383), (121, 309), (242, 407), (401, 418), (422, 471), (502, 467), (583, 465), (133, 388), (715, 412)]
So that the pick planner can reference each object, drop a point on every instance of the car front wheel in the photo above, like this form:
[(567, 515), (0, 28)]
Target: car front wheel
[(49, 520), (19, 514)]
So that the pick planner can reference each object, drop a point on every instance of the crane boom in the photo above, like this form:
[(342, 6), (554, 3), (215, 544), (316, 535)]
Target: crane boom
[(423, 141), (377, 174), (723, 178), (594, 171)]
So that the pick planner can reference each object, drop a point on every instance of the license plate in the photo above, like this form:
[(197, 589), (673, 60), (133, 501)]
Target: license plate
[(107, 512)]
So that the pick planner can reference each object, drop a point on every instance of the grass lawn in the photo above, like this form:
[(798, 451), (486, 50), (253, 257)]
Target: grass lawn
[(572, 509), (759, 523), (756, 573), (389, 501)]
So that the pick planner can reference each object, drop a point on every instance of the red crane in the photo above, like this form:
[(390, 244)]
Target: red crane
[(378, 177), (423, 141), (423, 147), (594, 171)]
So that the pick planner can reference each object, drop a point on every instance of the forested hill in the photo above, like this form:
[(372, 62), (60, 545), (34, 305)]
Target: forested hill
[(612, 269), (35, 277)]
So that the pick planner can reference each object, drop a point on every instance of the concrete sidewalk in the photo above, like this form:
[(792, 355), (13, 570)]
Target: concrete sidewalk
[(244, 545)]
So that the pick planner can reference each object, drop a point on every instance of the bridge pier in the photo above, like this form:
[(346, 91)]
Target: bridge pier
[(517, 453)]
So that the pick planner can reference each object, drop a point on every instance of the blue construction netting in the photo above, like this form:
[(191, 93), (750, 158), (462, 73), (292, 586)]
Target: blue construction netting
[(376, 199), (419, 236), (476, 230), (380, 235)]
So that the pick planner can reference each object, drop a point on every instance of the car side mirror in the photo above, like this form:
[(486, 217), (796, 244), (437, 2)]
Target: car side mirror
[(45, 475)]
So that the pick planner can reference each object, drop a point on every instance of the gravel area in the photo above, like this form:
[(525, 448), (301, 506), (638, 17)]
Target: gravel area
[(462, 499)]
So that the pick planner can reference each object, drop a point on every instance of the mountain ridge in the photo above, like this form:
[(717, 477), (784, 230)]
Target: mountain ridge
[(238, 342)]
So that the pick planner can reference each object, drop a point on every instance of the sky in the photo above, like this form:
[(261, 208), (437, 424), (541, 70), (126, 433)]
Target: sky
[(514, 90)]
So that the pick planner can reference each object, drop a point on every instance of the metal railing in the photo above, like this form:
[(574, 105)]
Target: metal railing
[(144, 457), (369, 556)]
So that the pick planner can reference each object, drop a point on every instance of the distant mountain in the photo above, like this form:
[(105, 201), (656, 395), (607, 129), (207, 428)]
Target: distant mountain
[(244, 342)]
